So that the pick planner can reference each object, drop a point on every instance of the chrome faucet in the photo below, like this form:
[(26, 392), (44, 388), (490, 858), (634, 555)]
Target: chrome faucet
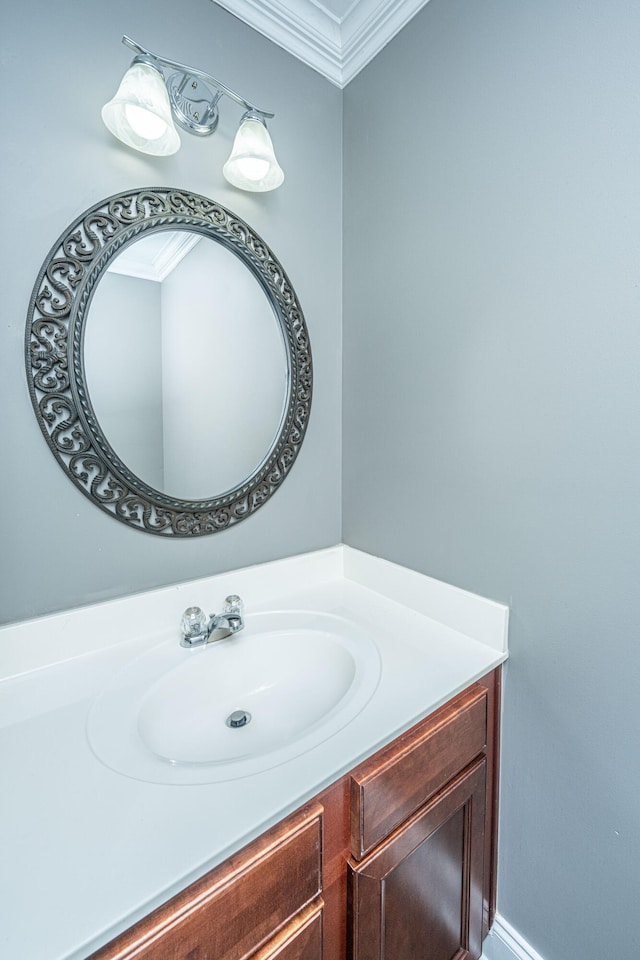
[(196, 628)]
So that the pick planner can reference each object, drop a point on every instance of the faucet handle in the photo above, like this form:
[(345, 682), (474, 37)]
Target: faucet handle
[(193, 623), (233, 606), (232, 611)]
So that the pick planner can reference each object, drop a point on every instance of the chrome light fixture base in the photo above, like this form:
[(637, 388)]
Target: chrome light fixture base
[(194, 105)]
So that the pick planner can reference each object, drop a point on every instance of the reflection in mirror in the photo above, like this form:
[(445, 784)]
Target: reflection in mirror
[(185, 364)]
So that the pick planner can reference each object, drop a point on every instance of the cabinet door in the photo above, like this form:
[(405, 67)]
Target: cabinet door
[(419, 895)]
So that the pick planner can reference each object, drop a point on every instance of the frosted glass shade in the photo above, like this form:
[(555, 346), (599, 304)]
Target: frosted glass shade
[(252, 164), (140, 114)]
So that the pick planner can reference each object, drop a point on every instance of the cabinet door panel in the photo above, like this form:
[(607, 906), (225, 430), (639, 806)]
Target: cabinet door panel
[(419, 895), (399, 779)]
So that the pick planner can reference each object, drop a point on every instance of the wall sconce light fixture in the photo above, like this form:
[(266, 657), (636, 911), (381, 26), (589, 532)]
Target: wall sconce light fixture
[(143, 111)]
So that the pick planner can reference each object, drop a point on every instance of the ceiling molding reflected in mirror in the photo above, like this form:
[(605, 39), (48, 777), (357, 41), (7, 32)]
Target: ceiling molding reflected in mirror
[(168, 362)]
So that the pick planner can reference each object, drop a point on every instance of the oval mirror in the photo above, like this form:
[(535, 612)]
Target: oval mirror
[(169, 362)]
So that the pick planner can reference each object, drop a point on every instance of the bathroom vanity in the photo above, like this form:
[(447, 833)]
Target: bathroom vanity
[(340, 877), (372, 840)]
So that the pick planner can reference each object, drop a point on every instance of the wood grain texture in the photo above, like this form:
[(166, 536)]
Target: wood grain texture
[(401, 777), (493, 682), (336, 839), (238, 906), (419, 895), (300, 939)]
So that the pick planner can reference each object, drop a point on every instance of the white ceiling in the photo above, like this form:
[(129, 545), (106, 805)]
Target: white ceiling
[(335, 37)]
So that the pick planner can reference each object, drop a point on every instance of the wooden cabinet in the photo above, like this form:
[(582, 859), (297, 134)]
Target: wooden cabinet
[(419, 893), (394, 861), (301, 938), (399, 779), (422, 867)]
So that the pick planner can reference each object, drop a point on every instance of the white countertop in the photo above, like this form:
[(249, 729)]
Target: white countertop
[(84, 851)]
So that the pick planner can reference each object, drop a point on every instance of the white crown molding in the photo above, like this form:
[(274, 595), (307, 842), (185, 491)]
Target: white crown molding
[(368, 27), (336, 46), (156, 261), (300, 27)]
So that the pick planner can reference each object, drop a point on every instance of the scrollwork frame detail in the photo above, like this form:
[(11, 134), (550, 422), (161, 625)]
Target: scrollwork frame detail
[(55, 364)]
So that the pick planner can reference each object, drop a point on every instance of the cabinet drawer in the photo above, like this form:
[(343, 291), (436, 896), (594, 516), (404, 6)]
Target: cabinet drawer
[(390, 787), (299, 940), (238, 906)]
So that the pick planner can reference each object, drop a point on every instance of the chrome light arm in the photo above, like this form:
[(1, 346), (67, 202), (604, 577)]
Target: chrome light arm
[(194, 112)]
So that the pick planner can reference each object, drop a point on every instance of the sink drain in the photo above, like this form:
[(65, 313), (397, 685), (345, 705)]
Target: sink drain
[(239, 718)]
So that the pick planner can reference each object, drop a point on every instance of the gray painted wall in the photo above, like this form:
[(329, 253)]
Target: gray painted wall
[(61, 61), (221, 341), (492, 403), (126, 385)]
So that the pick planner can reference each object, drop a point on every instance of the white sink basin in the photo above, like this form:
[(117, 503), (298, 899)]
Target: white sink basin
[(300, 677)]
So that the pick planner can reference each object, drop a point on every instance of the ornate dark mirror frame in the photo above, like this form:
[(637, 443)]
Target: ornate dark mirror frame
[(56, 320)]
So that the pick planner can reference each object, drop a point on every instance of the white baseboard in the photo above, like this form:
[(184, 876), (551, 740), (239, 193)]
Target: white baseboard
[(505, 943)]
